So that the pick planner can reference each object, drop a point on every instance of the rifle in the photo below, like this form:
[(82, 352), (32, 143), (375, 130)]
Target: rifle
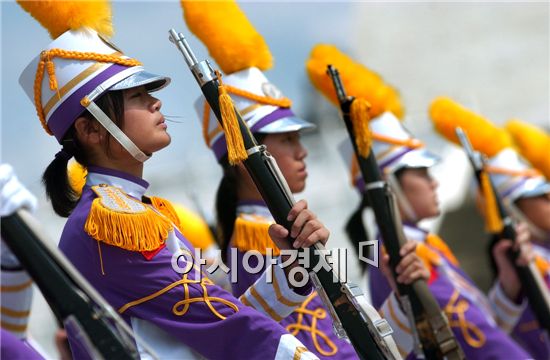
[(532, 283), (73, 300), (431, 331), (351, 312)]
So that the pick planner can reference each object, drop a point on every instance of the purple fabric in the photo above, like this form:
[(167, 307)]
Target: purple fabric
[(64, 116), (528, 332), (498, 345), (510, 190), (279, 113), (245, 334), (220, 145), (13, 348), (394, 158), (345, 350), (120, 174), (251, 202)]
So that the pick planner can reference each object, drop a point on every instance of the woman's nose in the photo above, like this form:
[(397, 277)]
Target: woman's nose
[(156, 104), (302, 152)]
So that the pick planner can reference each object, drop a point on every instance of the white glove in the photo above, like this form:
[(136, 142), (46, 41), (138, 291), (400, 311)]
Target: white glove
[(13, 195)]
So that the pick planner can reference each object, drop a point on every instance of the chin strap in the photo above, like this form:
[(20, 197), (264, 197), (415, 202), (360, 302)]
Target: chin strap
[(114, 130), (404, 204), (518, 215)]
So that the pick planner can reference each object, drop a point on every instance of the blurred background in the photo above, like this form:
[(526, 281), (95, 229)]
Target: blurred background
[(491, 57)]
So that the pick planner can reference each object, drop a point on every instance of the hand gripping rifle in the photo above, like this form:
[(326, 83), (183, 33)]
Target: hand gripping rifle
[(532, 283), (432, 334), (352, 314), (73, 300)]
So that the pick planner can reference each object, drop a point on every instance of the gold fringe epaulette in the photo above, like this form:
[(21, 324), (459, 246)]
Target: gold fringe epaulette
[(166, 208), (436, 242), (119, 220), (252, 234)]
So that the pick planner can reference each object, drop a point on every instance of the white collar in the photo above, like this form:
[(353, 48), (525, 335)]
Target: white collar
[(131, 185)]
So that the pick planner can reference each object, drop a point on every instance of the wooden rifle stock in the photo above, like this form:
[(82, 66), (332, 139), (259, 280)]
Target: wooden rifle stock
[(433, 333)]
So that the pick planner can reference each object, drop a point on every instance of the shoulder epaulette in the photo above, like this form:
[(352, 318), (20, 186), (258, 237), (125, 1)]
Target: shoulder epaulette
[(251, 233), (120, 220)]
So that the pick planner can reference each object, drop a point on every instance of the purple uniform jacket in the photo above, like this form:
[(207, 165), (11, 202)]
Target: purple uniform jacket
[(170, 310), (311, 323), (527, 331), (13, 348), (471, 314)]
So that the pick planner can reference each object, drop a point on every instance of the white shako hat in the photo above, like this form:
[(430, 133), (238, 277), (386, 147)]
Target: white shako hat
[(79, 66), (260, 103)]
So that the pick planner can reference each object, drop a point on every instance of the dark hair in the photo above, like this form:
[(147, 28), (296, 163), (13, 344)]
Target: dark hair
[(356, 231), (226, 202), (55, 179), (355, 227)]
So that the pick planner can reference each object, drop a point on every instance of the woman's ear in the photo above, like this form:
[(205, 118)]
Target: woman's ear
[(88, 131)]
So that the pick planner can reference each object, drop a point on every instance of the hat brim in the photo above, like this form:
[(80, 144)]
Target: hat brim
[(533, 188), (286, 124), (152, 82), (418, 158)]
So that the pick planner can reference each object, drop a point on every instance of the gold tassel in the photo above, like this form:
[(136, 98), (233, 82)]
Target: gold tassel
[(166, 208), (436, 242), (235, 144), (360, 120), (143, 231), (493, 222), (253, 235)]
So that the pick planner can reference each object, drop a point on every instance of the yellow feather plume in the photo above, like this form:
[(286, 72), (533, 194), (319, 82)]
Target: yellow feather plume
[(77, 176), (228, 34), (60, 16), (358, 80), (533, 144), (485, 137)]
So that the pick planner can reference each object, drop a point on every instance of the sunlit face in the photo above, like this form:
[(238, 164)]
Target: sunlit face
[(537, 210), (143, 122), (289, 152), (420, 190)]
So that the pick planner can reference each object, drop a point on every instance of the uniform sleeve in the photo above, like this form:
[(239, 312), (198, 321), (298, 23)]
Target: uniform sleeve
[(392, 312), (507, 313), (16, 293), (272, 296), (193, 311)]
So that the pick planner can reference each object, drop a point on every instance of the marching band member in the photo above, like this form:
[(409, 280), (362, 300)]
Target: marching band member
[(405, 163), (526, 195), (243, 218), (96, 101)]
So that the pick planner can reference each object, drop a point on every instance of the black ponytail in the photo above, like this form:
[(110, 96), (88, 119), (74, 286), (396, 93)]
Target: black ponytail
[(227, 199), (55, 177), (226, 207), (356, 231)]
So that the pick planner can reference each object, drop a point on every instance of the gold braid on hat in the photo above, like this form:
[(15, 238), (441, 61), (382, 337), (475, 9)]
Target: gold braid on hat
[(46, 62)]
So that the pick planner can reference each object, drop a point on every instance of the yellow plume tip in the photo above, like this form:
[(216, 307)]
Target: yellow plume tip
[(533, 144), (485, 137), (60, 16), (228, 34), (358, 80), (77, 177)]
